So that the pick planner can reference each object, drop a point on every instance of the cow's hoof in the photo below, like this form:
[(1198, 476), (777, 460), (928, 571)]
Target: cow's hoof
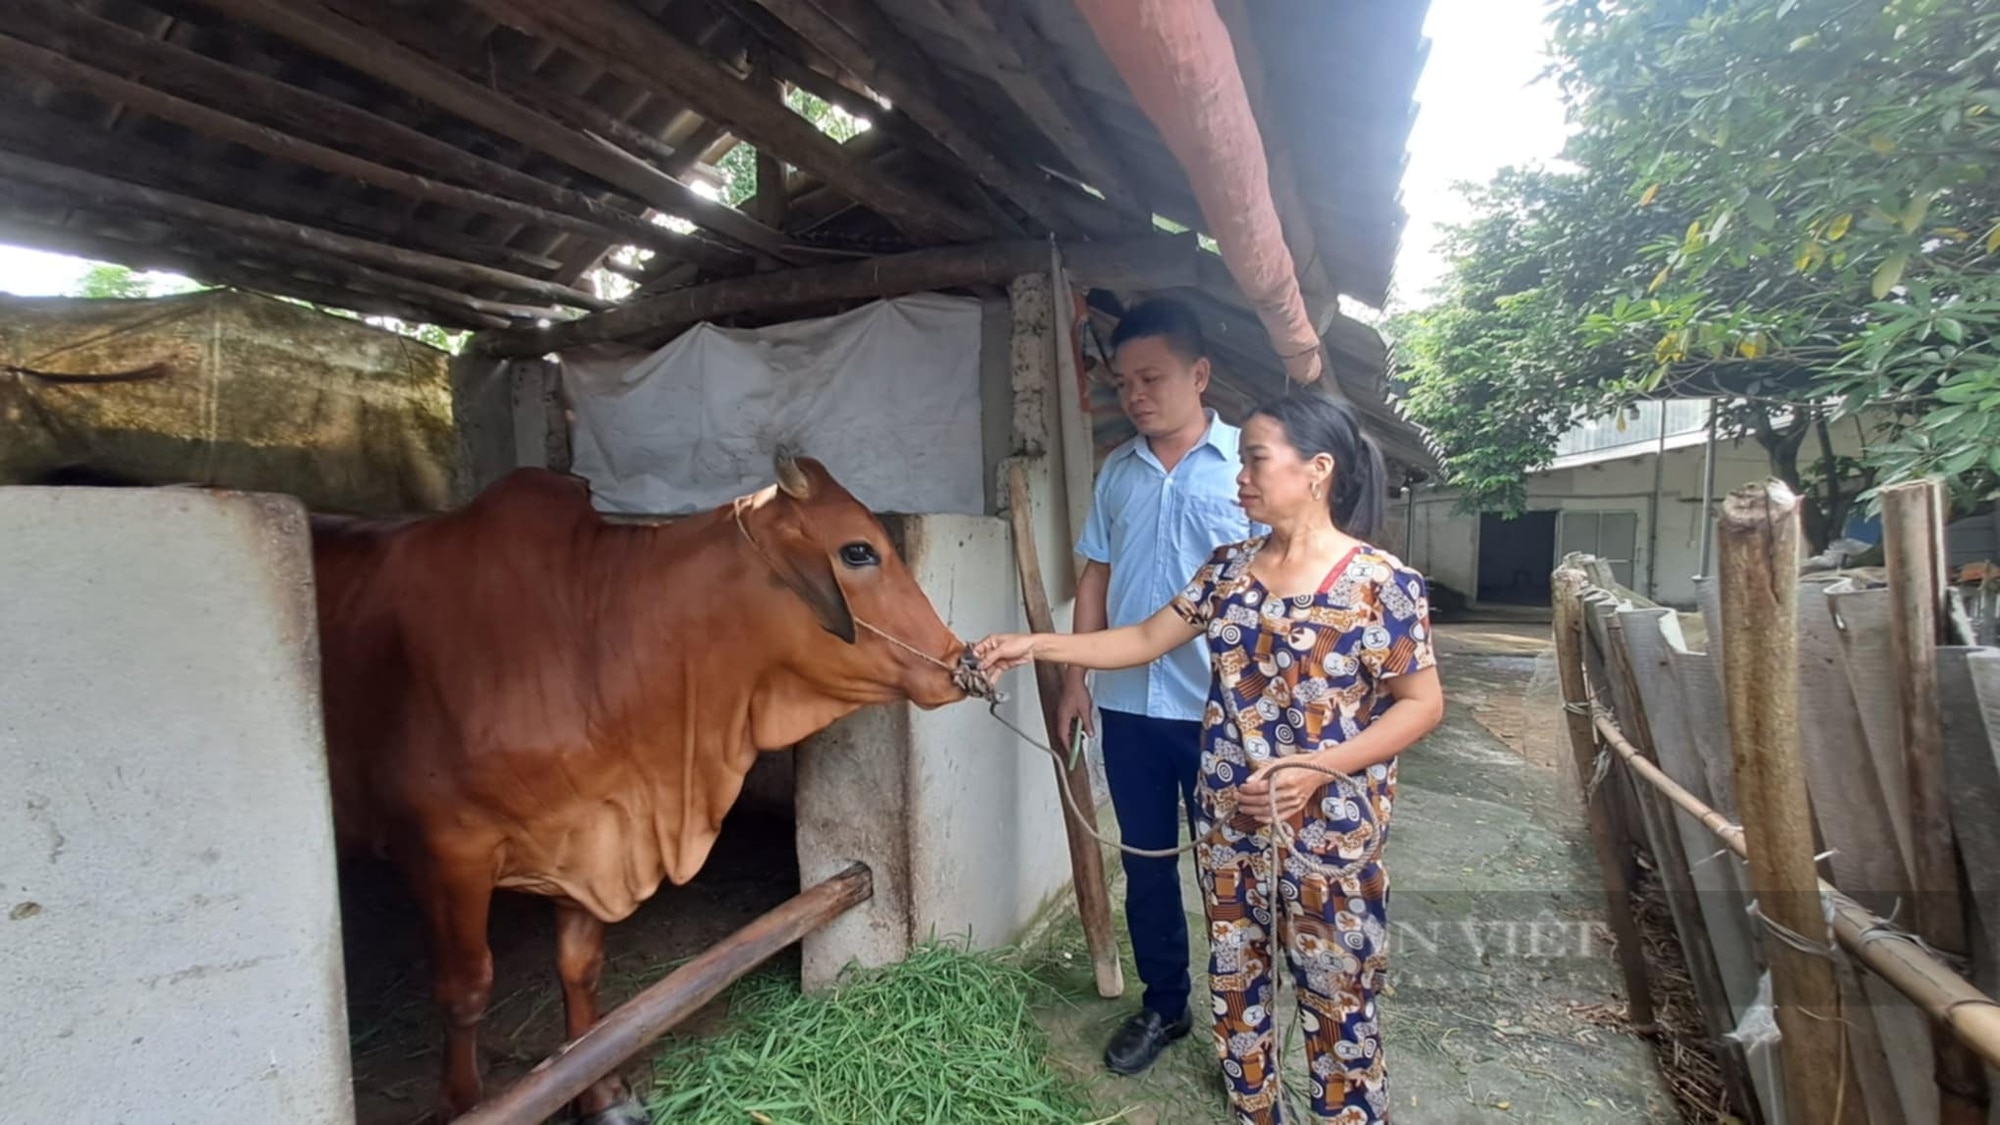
[(627, 1112)]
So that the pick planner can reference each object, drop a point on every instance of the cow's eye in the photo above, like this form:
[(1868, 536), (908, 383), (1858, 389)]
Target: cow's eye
[(858, 555)]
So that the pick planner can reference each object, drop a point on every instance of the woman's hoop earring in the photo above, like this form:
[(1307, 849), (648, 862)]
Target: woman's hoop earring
[(1315, 490)]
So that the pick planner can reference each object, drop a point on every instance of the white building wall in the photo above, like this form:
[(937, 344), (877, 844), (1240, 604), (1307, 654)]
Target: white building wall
[(1445, 543)]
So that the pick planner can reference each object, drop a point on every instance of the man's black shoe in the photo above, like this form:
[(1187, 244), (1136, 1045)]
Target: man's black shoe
[(1142, 1039)]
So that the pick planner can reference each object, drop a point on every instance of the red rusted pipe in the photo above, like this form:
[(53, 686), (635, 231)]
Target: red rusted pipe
[(558, 1079)]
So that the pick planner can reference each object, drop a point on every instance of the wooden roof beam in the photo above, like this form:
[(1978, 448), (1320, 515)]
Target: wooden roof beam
[(528, 87), (189, 74), (120, 195), (1013, 55), (138, 254), (60, 140), (1150, 262), (71, 74), (634, 47), (861, 40), (318, 30)]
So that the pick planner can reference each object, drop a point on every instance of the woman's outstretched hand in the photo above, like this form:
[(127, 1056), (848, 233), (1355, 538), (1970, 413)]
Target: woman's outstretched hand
[(1002, 651)]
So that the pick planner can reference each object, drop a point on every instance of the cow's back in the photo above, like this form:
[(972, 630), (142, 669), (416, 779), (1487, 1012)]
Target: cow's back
[(426, 629)]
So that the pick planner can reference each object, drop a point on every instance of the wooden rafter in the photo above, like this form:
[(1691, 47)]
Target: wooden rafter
[(315, 28), (139, 254), (1154, 262), (1014, 56), (69, 73), (636, 48), (524, 85), (853, 34), (122, 196), (61, 141), (175, 70)]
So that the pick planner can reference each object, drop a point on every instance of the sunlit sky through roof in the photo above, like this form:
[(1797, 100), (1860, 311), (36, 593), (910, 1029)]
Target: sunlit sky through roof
[(1481, 110)]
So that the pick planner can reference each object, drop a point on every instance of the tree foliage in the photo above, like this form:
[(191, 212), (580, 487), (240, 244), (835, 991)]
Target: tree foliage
[(1792, 204)]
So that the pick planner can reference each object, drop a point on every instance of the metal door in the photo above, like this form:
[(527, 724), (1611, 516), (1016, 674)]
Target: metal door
[(1611, 536)]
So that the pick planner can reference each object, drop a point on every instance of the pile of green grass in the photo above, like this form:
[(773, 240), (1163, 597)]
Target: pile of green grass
[(945, 1037)]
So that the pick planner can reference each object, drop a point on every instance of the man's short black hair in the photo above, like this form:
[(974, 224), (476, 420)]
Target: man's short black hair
[(1168, 319)]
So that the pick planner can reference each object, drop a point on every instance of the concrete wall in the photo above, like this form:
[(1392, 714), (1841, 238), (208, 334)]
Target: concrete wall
[(169, 926), (956, 817), (1446, 543)]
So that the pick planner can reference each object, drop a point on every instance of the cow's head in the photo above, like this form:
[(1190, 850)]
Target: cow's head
[(832, 552)]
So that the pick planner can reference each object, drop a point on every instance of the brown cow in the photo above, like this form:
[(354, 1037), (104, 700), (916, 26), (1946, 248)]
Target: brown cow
[(523, 695)]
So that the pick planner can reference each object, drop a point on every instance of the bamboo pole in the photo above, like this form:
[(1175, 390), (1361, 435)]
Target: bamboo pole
[(1913, 549), (1568, 606), (1971, 1015), (630, 1026), (1086, 862), (1758, 555), (1683, 901)]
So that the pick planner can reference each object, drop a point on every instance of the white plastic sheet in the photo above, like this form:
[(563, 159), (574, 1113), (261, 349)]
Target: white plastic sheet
[(887, 396)]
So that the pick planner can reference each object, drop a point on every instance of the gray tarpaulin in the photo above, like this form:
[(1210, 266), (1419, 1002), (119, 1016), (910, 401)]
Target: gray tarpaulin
[(887, 395)]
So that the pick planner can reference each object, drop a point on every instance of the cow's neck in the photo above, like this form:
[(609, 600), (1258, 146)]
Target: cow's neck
[(785, 710)]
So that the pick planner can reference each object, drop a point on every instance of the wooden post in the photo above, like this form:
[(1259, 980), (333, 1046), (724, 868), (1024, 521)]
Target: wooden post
[(1683, 902), (1758, 556), (1086, 862), (1568, 605), (1913, 548)]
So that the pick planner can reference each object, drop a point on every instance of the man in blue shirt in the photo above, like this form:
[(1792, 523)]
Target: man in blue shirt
[(1164, 502)]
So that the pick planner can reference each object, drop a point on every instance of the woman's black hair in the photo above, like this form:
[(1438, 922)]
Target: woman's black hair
[(1316, 425)]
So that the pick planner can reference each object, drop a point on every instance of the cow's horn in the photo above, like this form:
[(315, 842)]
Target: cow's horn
[(792, 480)]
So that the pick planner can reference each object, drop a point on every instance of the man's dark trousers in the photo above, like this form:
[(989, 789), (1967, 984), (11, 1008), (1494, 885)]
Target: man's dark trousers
[(1152, 765)]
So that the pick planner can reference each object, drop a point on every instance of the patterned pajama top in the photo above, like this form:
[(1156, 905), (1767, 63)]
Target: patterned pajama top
[(1295, 673)]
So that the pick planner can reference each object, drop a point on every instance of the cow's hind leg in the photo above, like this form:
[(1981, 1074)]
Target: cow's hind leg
[(580, 960), (456, 902)]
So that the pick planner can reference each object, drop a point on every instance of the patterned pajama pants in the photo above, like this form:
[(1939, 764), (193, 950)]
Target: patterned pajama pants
[(1335, 931)]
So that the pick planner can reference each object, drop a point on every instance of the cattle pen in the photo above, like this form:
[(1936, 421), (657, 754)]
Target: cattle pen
[(645, 243)]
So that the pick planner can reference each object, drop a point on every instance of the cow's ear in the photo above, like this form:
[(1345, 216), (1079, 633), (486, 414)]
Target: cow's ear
[(792, 480), (809, 574)]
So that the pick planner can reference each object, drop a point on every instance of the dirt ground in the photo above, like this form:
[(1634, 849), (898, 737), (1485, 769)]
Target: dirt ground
[(393, 1027), (1505, 1003)]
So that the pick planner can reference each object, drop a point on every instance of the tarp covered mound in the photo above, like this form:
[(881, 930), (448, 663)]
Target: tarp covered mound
[(230, 389)]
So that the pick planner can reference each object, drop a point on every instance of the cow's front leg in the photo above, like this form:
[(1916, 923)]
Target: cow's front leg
[(456, 902), (580, 960)]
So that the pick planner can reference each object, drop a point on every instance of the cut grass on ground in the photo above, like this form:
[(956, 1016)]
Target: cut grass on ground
[(946, 1036)]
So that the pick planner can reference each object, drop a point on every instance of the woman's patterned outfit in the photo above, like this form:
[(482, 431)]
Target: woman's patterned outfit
[(1291, 675)]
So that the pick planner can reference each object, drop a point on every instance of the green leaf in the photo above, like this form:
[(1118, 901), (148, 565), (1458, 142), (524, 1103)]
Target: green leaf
[(1888, 274), (1761, 213), (1951, 330)]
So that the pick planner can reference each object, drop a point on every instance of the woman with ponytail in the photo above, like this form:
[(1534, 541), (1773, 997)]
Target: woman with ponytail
[(1320, 652)]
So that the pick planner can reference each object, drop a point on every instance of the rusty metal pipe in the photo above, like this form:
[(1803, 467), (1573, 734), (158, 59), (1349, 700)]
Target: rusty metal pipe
[(558, 1079)]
